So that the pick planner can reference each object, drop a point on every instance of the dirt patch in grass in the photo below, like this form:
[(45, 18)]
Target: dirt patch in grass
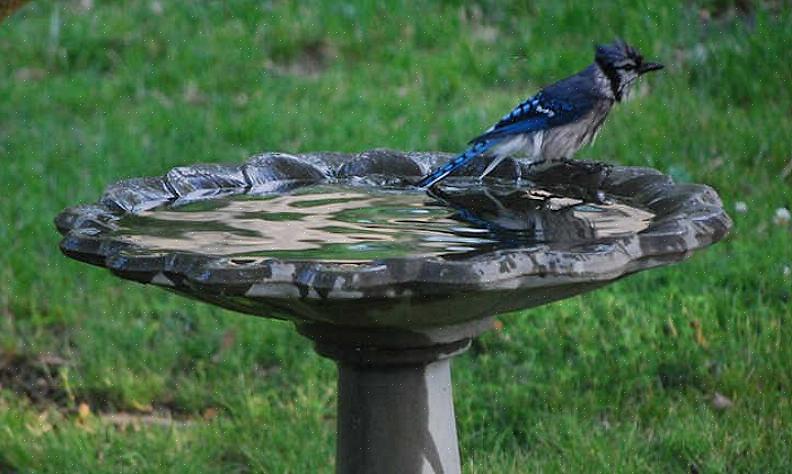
[(722, 11), (35, 378), (5, 467), (310, 60)]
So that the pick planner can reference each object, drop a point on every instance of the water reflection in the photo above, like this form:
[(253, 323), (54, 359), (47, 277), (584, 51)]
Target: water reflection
[(522, 216), (339, 223)]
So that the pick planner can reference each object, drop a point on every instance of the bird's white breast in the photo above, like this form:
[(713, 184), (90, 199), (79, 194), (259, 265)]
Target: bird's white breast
[(522, 146)]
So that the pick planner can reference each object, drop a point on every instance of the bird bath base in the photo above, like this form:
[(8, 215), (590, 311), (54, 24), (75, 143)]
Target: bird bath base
[(391, 321), (395, 403)]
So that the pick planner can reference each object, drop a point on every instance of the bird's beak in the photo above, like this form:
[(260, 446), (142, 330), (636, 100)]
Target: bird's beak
[(649, 67)]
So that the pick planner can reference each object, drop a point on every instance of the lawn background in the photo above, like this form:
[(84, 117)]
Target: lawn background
[(102, 375)]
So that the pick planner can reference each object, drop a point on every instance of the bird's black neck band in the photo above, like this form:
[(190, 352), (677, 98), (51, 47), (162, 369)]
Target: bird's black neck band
[(613, 79)]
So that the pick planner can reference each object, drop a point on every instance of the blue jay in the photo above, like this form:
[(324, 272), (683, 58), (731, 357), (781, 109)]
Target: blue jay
[(560, 119)]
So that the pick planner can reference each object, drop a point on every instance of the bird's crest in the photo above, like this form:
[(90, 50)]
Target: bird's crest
[(617, 55)]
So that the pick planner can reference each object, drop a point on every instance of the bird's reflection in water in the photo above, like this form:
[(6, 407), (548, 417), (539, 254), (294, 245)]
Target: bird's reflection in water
[(515, 217), (362, 223)]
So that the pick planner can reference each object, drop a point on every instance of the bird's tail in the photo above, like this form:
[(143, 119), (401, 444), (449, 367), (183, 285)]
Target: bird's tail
[(440, 173)]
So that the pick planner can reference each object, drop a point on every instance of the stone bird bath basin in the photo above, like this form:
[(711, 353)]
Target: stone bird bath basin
[(388, 280)]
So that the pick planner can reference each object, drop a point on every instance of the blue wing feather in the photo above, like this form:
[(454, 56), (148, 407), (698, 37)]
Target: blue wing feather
[(540, 112), (527, 125)]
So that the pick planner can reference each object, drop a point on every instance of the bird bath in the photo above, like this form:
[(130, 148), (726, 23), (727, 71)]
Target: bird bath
[(388, 280)]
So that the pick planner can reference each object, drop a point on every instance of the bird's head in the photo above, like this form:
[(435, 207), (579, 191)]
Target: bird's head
[(622, 64)]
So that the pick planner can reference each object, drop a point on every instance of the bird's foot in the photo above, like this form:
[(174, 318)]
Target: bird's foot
[(602, 169), (573, 178)]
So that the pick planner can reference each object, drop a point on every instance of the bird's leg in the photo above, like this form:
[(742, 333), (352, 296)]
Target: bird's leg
[(491, 166)]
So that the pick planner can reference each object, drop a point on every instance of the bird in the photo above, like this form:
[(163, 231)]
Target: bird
[(561, 118)]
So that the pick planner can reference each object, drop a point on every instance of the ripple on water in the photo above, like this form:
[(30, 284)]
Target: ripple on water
[(353, 224)]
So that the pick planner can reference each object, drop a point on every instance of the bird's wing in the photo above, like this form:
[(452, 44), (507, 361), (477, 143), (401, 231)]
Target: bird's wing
[(543, 111)]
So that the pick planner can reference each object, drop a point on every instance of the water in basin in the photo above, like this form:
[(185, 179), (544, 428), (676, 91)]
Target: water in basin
[(353, 224)]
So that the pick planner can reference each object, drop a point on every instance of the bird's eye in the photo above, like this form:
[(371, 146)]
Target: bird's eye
[(626, 65)]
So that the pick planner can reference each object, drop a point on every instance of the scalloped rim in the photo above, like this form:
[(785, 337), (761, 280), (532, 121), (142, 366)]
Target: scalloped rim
[(691, 217)]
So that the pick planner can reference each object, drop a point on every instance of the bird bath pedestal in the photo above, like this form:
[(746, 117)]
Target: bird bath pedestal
[(389, 281)]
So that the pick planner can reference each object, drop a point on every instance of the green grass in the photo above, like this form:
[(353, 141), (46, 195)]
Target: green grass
[(612, 381)]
